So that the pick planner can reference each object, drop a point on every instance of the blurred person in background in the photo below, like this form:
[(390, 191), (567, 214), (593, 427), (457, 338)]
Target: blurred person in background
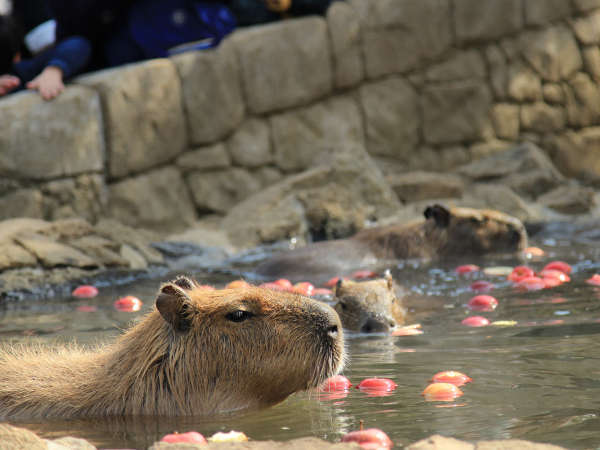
[(253, 12)]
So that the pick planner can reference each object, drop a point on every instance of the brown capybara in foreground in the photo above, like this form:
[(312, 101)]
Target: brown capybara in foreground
[(198, 352), (444, 233), (369, 306)]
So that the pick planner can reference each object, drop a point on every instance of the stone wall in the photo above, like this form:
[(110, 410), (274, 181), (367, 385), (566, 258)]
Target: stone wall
[(421, 85)]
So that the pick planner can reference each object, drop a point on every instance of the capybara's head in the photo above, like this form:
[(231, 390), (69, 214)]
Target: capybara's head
[(254, 346), (369, 306), (475, 231)]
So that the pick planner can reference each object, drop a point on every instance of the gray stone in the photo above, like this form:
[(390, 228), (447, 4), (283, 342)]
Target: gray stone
[(332, 200), (487, 148), (143, 115), (205, 158), (583, 101), (137, 239), (267, 176), (475, 20), (51, 253), (553, 93), (575, 153), (456, 112), (101, 249), (585, 5), (591, 61), (84, 196), (505, 118), (13, 256), (417, 186), (219, 191), (553, 52), (539, 12), (523, 84), (570, 199), (158, 200), (303, 71), (391, 109), (542, 118), (437, 442), (498, 71), (461, 66), (212, 92), (22, 203), (400, 36), (499, 197), (587, 28), (250, 145), (345, 33), (305, 136), (45, 140)]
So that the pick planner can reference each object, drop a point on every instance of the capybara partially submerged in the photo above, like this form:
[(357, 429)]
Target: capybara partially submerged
[(198, 352), (444, 233), (369, 306)]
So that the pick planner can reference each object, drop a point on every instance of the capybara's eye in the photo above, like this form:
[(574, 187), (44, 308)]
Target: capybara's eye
[(239, 315)]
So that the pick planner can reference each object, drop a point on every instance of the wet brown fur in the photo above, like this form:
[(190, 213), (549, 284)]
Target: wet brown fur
[(444, 233), (369, 306), (185, 357)]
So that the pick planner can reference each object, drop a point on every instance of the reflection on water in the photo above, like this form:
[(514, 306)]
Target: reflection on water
[(536, 380)]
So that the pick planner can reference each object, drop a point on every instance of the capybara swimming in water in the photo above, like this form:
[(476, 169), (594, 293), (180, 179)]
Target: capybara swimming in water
[(369, 306), (198, 352), (444, 233)]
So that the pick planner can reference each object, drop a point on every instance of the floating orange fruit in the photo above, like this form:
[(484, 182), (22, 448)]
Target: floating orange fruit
[(482, 286), (362, 274), (594, 279), (483, 303), (467, 268), (377, 384), (129, 303), (442, 392), (191, 437), (336, 383), (284, 283), (371, 438), (85, 291), (520, 272), (475, 321), (452, 377), (304, 288), (559, 265), (553, 273), (531, 284), (237, 284), (409, 330), (533, 251)]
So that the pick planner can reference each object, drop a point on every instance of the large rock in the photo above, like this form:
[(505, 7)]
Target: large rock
[(400, 36), (575, 153), (477, 20), (456, 112), (204, 158), (329, 201), (587, 28), (84, 196), (212, 92), (498, 69), (461, 66), (542, 118), (585, 5), (305, 136), (591, 61), (569, 199), (552, 52), (51, 253), (522, 83), (582, 101), (391, 109), (250, 145), (505, 118), (158, 199), (45, 140), (437, 442), (539, 12), (219, 191), (303, 71), (22, 203), (143, 115), (417, 186), (345, 32), (499, 197), (524, 168)]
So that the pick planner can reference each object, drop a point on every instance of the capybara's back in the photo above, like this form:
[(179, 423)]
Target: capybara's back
[(369, 306), (198, 352)]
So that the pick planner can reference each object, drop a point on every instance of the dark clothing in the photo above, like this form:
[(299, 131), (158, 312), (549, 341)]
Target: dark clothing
[(253, 12), (70, 55)]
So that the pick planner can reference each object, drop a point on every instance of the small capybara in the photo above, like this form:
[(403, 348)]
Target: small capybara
[(199, 352), (444, 233), (369, 306)]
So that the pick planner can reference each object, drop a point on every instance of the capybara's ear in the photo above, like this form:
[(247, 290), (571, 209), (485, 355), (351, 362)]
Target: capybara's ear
[(440, 214), (388, 278), (184, 282), (173, 304), (338, 284)]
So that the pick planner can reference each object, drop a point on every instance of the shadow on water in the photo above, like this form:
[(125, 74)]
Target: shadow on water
[(537, 378)]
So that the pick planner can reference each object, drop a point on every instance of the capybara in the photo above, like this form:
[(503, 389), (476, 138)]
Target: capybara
[(444, 233), (198, 352), (369, 306)]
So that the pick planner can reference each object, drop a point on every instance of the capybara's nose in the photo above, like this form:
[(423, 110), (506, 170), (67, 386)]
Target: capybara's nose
[(331, 321), (375, 325)]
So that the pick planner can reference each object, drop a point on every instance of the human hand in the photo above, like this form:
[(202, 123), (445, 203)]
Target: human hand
[(49, 83), (278, 5), (8, 83)]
